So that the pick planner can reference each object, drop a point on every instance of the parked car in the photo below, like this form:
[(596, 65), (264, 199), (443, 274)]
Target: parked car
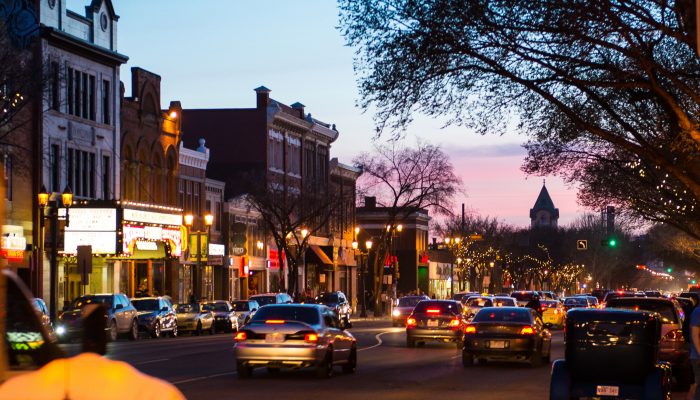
[(225, 317), (294, 335), (156, 316), (404, 307), (435, 320), (506, 333), (194, 318), (338, 302), (122, 316), (475, 303), (673, 346), (245, 309), (272, 298), (611, 353), (553, 313)]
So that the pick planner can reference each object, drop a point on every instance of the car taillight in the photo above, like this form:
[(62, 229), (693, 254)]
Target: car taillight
[(527, 330), (543, 308), (470, 329), (411, 321), (241, 336), (454, 323), (311, 338), (433, 311), (675, 335), (274, 321)]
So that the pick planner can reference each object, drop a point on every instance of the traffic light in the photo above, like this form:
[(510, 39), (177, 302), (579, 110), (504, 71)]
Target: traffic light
[(669, 270), (610, 242), (693, 282)]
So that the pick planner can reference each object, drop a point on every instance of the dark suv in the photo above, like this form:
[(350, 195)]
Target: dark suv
[(156, 316), (337, 302), (122, 316)]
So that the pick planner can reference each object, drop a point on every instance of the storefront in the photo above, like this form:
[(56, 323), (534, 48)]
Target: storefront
[(439, 279)]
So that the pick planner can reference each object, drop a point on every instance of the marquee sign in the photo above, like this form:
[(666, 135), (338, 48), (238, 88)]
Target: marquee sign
[(96, 227), (134, 234)]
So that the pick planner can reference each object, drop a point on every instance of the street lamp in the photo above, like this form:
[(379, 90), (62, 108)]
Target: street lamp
[(189, 222), (50, 212)]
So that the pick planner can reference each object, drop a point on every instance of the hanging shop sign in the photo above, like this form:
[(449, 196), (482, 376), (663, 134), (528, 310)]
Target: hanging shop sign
[(216, 254), (12, 247), (96, 227), (133, 234)]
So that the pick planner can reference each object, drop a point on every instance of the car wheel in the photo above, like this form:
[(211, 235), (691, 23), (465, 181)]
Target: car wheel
[(212, 330), (467, 359), (410, 343), (325, 368), (156, 331), (198, 329), (134, 331), (113, 331), (173, 333), (351, 366), (243, 371)]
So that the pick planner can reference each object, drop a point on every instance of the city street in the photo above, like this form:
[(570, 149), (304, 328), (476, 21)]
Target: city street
[(203, 367)]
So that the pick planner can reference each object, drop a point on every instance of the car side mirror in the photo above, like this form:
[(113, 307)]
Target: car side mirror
[(119, 307)]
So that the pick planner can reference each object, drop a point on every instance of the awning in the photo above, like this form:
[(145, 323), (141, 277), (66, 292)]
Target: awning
[(144, 250), (320, 256)]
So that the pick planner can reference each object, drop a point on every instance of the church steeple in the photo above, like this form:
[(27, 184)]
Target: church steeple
[(543, 213)]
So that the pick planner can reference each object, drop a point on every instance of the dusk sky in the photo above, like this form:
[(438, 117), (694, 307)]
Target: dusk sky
[(212, 54)]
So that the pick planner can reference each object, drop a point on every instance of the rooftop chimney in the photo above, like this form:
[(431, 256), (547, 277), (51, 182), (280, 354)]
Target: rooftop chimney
[(299, 107), (263, 97)]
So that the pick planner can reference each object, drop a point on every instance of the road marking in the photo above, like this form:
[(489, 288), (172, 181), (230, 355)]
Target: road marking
[(379, 340), (201, 378), (153, 361)]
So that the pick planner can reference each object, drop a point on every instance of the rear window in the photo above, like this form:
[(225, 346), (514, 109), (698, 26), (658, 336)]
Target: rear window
[(218, 306), (504, 302), (263, 300), (409, 301), (327, 298), (479, 302), (444, 307), (576, 301), (286, 313), (187, 308), (665, 309), (503, 315), (549, 303), (522, 296)]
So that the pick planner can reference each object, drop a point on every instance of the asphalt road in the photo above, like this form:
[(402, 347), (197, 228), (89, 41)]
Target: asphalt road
[(204, 368)]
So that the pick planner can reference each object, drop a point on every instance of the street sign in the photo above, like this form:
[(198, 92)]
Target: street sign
[(582, 244), (476, 237)]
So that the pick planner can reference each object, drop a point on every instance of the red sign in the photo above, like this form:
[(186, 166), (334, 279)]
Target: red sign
[(390, 260), (12, 255), (273, 257)]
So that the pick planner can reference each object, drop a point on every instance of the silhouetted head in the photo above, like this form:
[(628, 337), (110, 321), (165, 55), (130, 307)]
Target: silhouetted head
[(94, 317)]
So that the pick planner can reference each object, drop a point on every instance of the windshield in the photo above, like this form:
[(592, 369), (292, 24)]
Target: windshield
[(85, 300), (146, 305), (186, 308), (240, 306), (409, 301), (502, 315), (263, 300), (218, 306), (522, 296), (575, 301), (307, 315), (665, 309), (324, 298)]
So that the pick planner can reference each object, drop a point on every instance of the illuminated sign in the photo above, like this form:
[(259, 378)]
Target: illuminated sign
[(132, 235), (12, 247), (96, 227), (149, 217), (217, 249), (143, 245)]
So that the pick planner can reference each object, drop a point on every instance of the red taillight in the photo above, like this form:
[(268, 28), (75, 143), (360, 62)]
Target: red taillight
[(433, 311), (411, 321), (311, 338), (543, 308), (527, 330), (674, 336), (240, 336), (470, 329), (454, 323)]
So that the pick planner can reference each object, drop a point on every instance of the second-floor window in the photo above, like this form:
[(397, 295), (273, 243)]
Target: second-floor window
[(105, 101), (275, 151), (81, 173)]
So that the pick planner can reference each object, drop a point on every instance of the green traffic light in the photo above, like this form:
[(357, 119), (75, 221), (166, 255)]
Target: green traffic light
[(612, 242), (693, 281), (669, 270)]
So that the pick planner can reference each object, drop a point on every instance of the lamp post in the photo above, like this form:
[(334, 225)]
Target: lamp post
[(453, 242), (393, 232), (189, 222), (50, 212), (368, 247)]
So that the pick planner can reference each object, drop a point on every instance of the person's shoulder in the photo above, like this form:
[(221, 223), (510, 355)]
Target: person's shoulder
[(695, 316)]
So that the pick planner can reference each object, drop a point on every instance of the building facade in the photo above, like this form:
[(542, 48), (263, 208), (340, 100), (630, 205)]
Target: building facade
[(543, 214)]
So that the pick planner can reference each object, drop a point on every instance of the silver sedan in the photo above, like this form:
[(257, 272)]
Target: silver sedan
[(295, 336)]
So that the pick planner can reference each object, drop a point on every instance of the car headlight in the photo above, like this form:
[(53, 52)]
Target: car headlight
[(60, 330), (396, 313)]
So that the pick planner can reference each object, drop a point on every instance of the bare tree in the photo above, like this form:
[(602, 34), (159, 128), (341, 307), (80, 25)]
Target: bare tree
[(405, 180), (606, 83)]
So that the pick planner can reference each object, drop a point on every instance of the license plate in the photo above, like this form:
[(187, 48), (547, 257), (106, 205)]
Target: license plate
[(497, 344), (274, 338), (607, 390), (433, 322)]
